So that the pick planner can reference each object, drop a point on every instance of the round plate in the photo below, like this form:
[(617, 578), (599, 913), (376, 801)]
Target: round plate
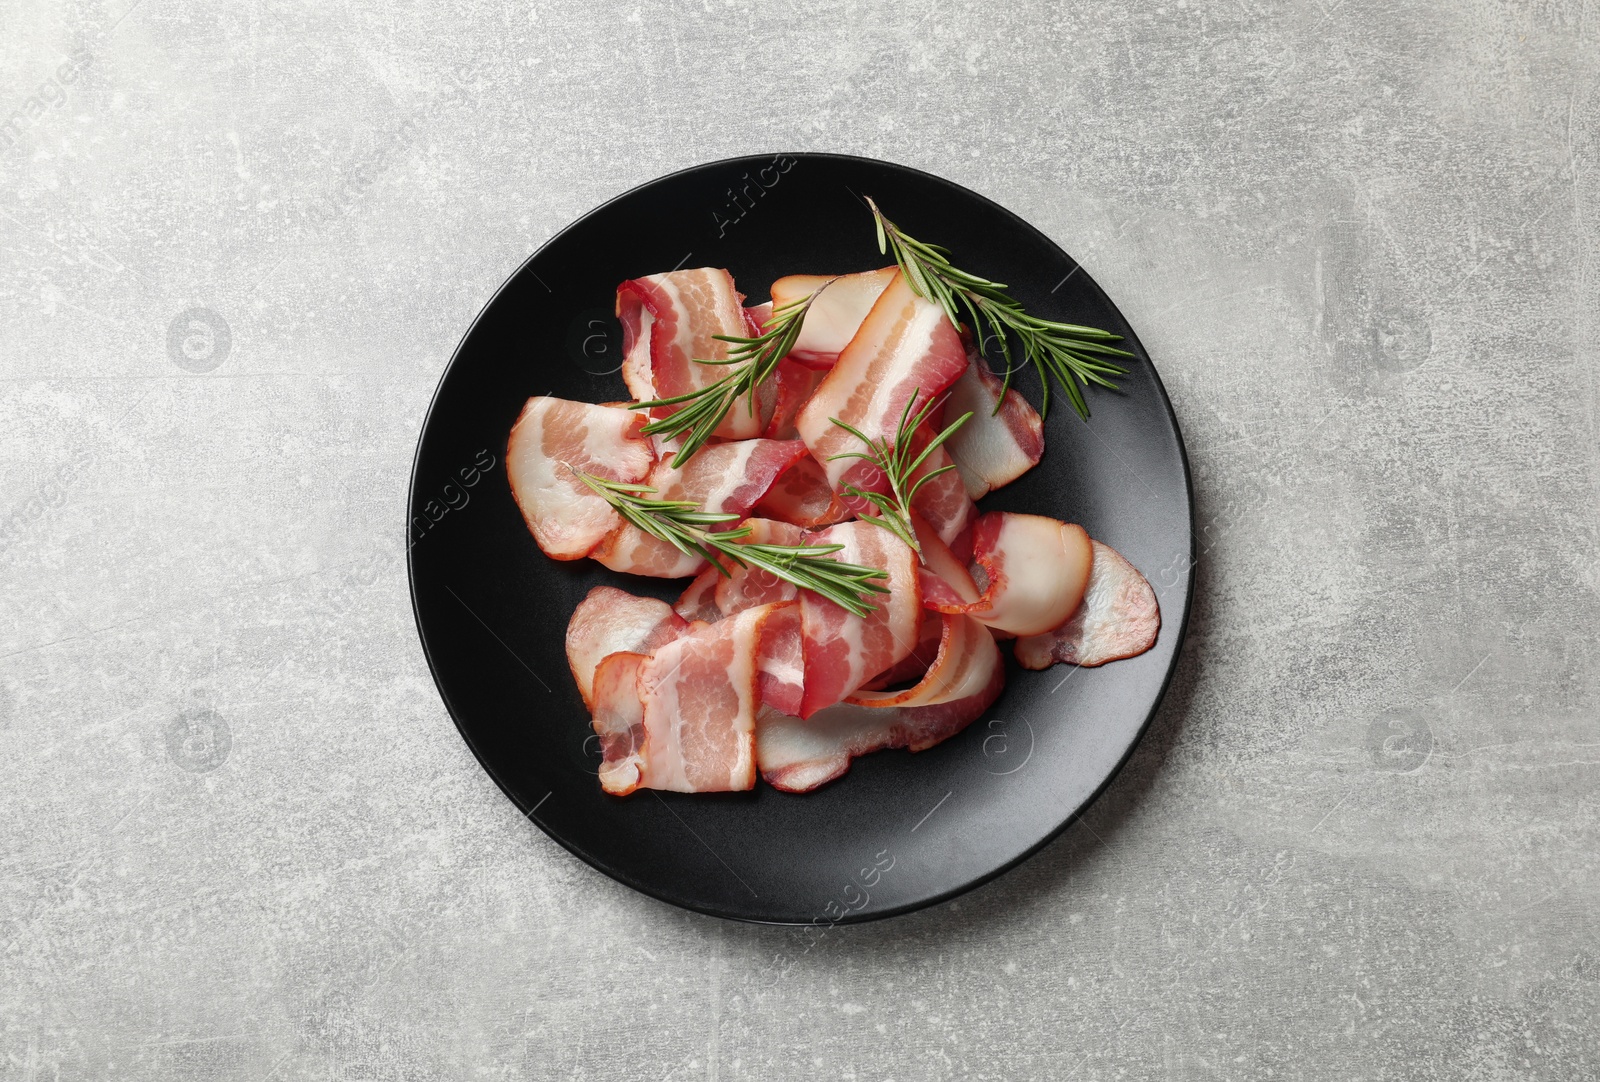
[(899, 831)]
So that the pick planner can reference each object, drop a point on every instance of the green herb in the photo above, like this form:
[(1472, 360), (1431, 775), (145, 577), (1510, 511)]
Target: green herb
[(899, 462), (753, 360), (682, 524), (1073, 354)]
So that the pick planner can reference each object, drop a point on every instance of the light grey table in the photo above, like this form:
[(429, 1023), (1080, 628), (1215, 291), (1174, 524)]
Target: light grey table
[(239, 837)]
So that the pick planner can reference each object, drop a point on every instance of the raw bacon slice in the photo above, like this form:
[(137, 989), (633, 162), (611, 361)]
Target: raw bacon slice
[(947, 585), (835, 316), (1035, 571), (554, 440), (722, 478), (610, 620), (618, 720), (695, 731), (699, 599), (746, 587), (943, 502), (914, 665), (791, 386), (1119, 618), (905, 348), (781, 673), (842, 651), (967, 664), (755, 319), (802, 496), (798, 756), (991, 450), (678, 314)]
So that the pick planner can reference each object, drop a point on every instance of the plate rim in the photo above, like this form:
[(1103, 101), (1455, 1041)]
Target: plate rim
[(631, 882)]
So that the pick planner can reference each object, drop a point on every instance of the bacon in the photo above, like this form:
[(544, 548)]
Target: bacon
[(1119, 618), (699, 599), (610, 620), (905, 349), (746, 587), (552, 441), (679, 314), (801, 496), (835, 316), (800, 755), (1035, 571), (914, 665), (967, 664), (792, 384), (724, 478), (781, 673), (947, 585), (618, 720), (943, 502), (991, 450), (842, 651), (694, 730)]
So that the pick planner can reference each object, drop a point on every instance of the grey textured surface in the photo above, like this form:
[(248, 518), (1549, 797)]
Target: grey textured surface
[(239, 837)]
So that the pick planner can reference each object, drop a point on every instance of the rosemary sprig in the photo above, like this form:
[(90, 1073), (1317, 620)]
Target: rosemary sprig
[(682, 524), (752, 361), (1073, 354), (899, 461)]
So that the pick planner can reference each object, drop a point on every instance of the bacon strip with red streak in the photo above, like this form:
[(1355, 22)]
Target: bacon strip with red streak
[(991, 450), (798, 756), (1119, 618), (906, 348), (835, 316), (694, 728), (554, 440), (610, 620), (843, 651), (724, 478), (678, 314), (1035, 572)]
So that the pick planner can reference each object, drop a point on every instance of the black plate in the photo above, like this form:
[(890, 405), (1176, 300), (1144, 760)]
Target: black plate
[(899, 831)]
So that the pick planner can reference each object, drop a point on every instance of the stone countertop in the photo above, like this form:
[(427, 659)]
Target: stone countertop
[(241, 838)]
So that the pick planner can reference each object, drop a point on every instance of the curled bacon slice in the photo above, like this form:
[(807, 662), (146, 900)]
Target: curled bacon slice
[(800, 755), (842, 651), (792, 385), (947, 585), (802, 496), (610, 620), (678, 314), (694, 730), (722, 478), (1035, 570), (916, 664), (905, 348), (967, 663), (991, 449), (1119, 618), (835, 316), (554, 440), (618, 720)]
